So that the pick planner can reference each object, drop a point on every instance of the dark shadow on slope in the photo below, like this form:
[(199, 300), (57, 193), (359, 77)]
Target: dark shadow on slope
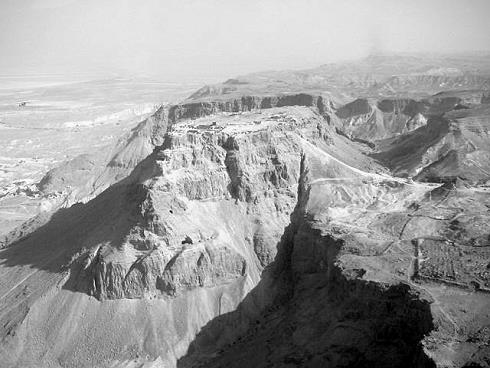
[(319, 317), (404, 153), (224, 330), (318, 323), (105, 219), (273, 290)]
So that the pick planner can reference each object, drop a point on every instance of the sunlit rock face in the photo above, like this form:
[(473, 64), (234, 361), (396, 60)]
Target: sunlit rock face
[(211, 204), (266, 229), (195, 225)]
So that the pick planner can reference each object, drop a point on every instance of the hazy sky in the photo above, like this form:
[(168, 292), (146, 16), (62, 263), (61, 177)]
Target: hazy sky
[(178, 39)]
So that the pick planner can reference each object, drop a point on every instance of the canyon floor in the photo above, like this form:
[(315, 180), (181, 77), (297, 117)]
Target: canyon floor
[(332, 217)]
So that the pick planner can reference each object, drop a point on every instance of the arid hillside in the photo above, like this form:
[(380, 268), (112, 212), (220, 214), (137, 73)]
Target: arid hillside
[(335, 217)]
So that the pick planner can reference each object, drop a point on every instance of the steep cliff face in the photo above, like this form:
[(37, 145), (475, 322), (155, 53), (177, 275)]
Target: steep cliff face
[(192, 110), (256, 237), (354, 281), (329, 320), (372, 121), (195, 178), (191, 230), (89, 174), (455, 145)]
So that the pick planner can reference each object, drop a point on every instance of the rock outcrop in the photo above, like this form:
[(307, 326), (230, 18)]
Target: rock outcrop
[(268, 229), (455, 145), (87, 175), (372, 122), (192, 110), (205, 211), (236, 231), (355, 261)]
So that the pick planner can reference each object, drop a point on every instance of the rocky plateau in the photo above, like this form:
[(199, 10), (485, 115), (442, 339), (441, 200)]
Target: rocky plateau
[(335, 217)]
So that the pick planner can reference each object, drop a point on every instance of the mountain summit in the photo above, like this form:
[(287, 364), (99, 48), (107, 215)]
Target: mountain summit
[(333, 217)]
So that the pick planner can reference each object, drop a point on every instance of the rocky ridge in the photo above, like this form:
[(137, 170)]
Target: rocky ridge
[(266, 230), (244, 215)]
